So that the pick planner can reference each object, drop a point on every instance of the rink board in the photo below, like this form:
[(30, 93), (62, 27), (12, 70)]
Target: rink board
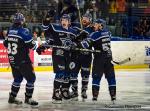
[(138, 51), (50, 68)]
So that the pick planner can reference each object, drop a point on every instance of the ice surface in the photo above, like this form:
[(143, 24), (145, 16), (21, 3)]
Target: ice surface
[(133, 93)]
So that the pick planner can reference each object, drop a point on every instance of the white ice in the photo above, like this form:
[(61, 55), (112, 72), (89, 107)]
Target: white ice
[(133, 93)]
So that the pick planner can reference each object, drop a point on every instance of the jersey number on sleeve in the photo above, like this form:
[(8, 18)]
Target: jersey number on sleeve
[(12, 48)]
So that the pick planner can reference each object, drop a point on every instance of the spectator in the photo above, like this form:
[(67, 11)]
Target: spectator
[(121, 6), (67, 7)]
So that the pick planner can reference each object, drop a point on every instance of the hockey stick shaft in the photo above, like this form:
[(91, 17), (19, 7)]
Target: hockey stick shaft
[(79, 13), (77, 49), (63, 47), (121, 62)]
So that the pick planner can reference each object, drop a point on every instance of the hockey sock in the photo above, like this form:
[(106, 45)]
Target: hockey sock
[(112, 91), (16, 86), (29, 90), (74, 83), (95, 91), (85, 81), (95, 85), (15, 89)]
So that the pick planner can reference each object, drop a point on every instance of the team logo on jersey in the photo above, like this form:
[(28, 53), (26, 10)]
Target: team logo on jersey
[(66, 42), (72, 65), (59, 52)]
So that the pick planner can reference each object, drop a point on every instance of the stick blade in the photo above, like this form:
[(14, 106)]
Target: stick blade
[(121, 62)]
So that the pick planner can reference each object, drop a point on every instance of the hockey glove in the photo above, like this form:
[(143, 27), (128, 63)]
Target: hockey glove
[(40, 49), (73, 46)]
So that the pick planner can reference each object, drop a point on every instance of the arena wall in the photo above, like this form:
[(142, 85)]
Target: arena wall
[(138, 51)]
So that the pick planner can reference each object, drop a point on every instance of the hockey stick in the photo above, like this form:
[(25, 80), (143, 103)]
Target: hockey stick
[(76, 49), (63, 47), (121, 62), (79, 14)]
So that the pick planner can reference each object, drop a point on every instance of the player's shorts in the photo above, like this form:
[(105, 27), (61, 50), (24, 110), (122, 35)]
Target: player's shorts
[(24, 70), (60, 60), (102, 65), (79, 61)]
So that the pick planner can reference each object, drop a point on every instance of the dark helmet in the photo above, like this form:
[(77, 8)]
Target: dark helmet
[(51, 12), (101, 21), (18, 18), (66, 16), (67, 2), (88, 15)]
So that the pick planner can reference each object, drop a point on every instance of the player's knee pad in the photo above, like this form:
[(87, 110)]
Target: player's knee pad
[(85, 78), (73, 76), (59, 76), (96, 79), (31, 80), (17, 81), (111, 81), (30, 83)]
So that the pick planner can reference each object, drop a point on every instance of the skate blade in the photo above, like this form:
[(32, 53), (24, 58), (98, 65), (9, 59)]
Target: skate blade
[(113, 102), (56, 102), (94, 101), (15, 105), (74, 99), (84, 99), (25, 105), (64, 101)]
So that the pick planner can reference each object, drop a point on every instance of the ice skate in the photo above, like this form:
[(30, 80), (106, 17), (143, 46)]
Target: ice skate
[(13, 100), (30, 101), (113, 100), (83, 95), (57, 98), (74, 96)]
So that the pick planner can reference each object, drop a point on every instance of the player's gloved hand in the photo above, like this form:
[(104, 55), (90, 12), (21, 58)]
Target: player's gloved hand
[(73, 46), (40, 49)]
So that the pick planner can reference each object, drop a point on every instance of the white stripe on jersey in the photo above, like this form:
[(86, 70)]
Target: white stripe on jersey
[(45, 26), (62, 31), (28, 41), (99, 38), (12, 35)]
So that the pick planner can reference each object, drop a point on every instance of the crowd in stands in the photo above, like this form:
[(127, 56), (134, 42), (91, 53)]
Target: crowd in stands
[(124, 17), (142, 27)]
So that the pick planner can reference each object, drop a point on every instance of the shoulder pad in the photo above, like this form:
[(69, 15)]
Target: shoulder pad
[(56, 27), (25, 31), (95, 35)]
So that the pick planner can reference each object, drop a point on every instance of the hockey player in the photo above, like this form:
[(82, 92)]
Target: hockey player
[(100, 40), (18, 43), (61, 35), (83, 61)]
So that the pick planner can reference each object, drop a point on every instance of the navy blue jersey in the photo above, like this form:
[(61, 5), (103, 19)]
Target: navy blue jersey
[(82, 33), (100, 40), (18, 43), (59, 35)]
